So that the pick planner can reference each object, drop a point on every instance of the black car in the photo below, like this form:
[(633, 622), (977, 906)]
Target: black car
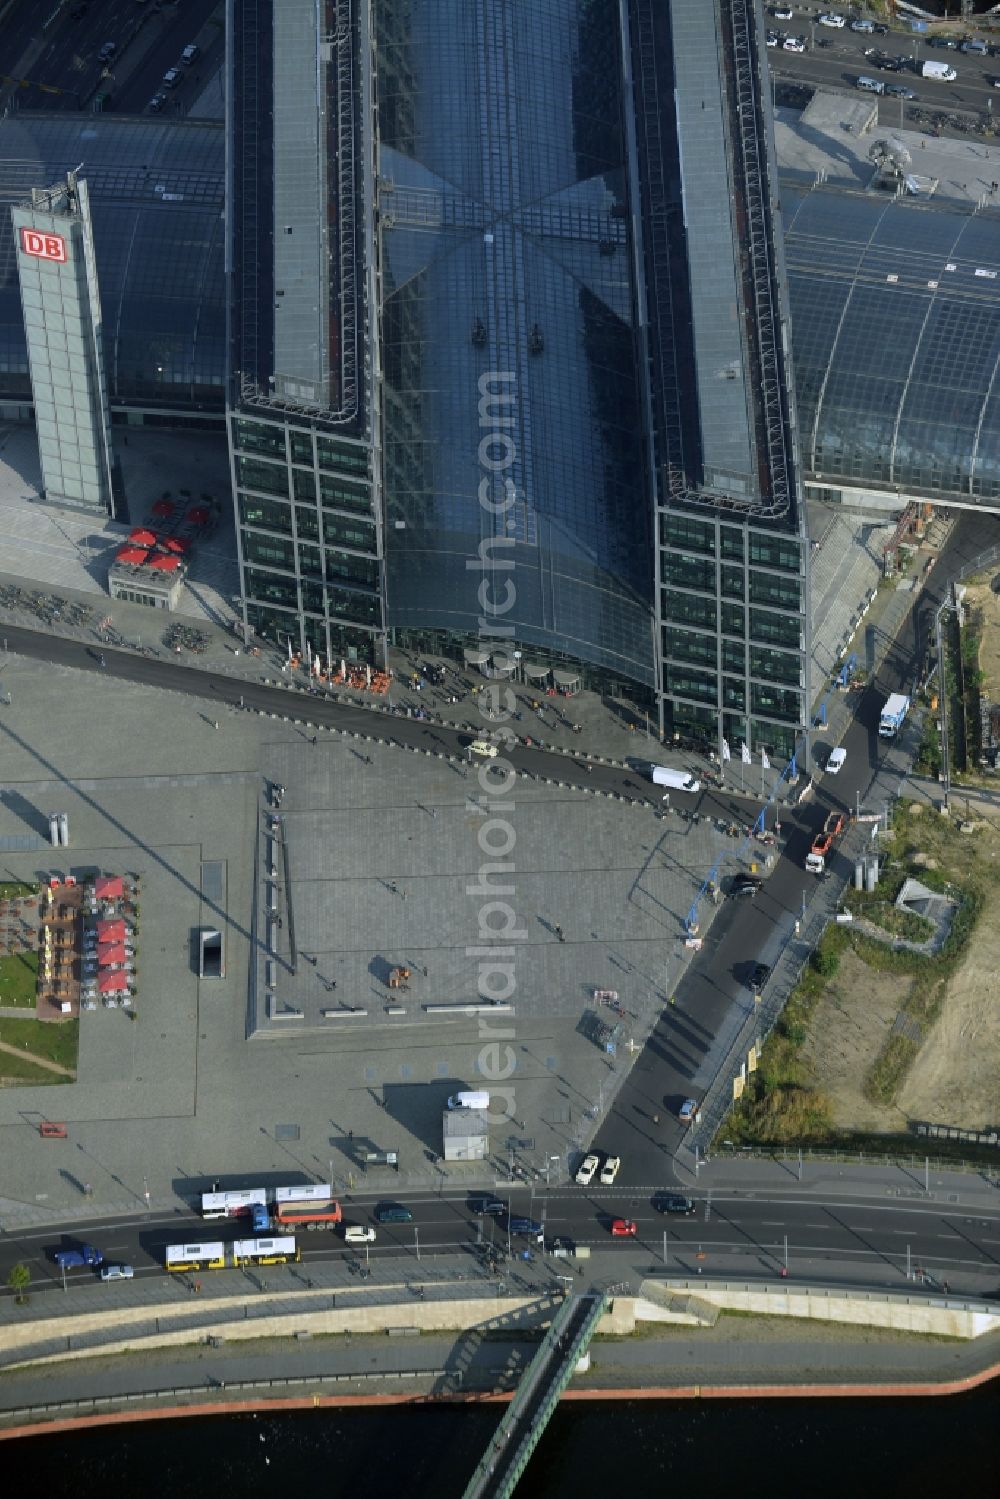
[(671, 1204), (879, 28), (487, 1207), (943, 41), (745, 884), (758, 976), (524, 1226), (888, 64)]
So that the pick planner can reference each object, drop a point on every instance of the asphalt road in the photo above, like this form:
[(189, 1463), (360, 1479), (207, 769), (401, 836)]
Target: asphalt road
[(57, 53), (835, 1238), (835, 59)]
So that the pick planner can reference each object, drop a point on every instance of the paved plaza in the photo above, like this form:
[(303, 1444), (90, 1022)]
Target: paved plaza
[(384, 860)]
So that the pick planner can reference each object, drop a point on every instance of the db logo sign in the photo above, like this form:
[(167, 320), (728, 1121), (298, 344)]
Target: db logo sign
[(45, 246)]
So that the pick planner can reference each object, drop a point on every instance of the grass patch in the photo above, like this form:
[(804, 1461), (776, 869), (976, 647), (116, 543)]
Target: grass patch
[(19, 980), (14, 890), (781, 1104), (58, 1042)]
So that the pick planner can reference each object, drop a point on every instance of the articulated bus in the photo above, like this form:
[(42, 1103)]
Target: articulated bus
[(231, 1204), (217, 1256)]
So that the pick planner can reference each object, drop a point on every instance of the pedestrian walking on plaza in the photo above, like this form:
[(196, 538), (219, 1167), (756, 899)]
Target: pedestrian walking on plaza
[(215, 724), (559, 934)]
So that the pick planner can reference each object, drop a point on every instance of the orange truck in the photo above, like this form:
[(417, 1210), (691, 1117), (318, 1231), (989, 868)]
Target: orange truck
[(310, 1215), (824, 841)]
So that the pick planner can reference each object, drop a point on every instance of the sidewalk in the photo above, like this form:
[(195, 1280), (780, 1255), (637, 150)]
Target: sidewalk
[(737, 1351)]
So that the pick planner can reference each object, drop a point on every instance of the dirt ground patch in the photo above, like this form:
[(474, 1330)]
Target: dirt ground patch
[(848, 1029), (956, 1077), (980, 596)]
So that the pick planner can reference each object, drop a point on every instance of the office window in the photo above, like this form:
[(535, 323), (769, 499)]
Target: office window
[(687, 609), (776, 666), (776, 702), (734, 694), (684, 531), (689, 572), (734, 656), (682, 682), (734, 619), (302, 447), (270, 514), (258, 437), (775, 629), (341, 455), (254, 473), (304, 481), (306, 523), (269, 551), (732, 543), (775, 551), (782, 593), (685, 645), (733, 582), (341, 494)]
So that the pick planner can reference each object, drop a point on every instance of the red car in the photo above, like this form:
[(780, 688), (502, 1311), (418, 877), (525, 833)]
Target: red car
[(623, 1228)]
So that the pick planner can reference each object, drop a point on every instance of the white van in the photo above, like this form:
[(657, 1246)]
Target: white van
[(469, 1101), (357, 1233), (675, 780)]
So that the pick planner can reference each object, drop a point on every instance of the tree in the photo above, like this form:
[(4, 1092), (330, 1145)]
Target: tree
[(825, 961), (19, 1277)]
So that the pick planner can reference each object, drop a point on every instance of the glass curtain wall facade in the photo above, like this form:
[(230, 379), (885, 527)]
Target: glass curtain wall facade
[(512, 421), (303, 426)]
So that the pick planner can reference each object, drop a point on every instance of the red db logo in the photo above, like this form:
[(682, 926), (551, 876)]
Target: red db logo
[(45, 246)]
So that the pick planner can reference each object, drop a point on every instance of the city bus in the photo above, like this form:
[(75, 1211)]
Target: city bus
[(265, 1251), (196, 1256), (231, 1204), (303, 1194)]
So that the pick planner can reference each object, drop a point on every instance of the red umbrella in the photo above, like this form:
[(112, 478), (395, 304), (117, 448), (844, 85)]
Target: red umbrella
[(163, 509), (176, 544), (111, 931), (108, 887), (198, 515), (112, 983), (142, 537), (110, 953), (165, 562), (134, 555)]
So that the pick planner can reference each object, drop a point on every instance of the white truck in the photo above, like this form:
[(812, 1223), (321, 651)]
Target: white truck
[(675, 780), (893, 715), (942, 71)]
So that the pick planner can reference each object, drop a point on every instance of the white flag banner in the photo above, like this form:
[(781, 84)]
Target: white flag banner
[(765, 763), (725, 750), (745, 755)]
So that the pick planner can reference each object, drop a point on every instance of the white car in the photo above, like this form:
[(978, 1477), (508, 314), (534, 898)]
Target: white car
[(357, 1233), (117, 1272), (782, 12), (835, 763), (610, 1170), (866, 27), (793, 44), (831, 18), (586, 1170)]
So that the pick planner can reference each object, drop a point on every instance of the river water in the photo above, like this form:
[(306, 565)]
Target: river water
[(800, 1448)]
